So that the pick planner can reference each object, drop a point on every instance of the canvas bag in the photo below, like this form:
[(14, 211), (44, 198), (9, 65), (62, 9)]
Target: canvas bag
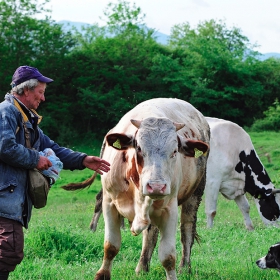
[(38, 184), (38, 188)]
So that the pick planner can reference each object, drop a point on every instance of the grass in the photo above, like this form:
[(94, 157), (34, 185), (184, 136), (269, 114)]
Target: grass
[(59, 244)]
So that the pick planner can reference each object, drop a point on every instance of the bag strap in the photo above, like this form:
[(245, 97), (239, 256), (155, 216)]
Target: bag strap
[(24, 120), (26, 135)]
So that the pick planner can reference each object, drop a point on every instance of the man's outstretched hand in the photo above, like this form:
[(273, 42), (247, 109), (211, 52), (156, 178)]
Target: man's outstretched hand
[(97, 164)]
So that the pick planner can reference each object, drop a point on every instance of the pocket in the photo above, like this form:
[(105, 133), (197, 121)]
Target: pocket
[(11, 244), (7, 243), (8, 188)]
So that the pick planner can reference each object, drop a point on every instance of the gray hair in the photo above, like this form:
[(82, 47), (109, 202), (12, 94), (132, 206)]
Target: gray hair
[(30, 84)]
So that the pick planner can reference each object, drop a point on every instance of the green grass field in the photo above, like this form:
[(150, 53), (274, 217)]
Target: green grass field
[(59, 244)]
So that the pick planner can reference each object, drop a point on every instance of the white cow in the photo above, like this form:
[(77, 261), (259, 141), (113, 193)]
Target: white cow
[(234, 168), (158, 153)]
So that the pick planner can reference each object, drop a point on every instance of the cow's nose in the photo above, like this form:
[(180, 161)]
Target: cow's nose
[(156, 188)]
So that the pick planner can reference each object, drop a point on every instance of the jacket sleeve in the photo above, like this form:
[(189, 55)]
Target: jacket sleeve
[(12, 152), (71, 160)]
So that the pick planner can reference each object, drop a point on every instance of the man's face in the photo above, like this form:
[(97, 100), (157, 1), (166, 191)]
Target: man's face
[(34, 97)]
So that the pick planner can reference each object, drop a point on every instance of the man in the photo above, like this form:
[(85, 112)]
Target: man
[(28, 91)]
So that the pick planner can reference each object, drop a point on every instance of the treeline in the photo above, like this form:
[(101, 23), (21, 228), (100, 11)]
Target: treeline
[(102, 72)]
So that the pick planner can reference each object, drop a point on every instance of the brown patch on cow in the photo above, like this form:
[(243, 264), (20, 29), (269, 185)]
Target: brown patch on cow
[(186, 134), (140, 163), (124, 156), (126, 181), (169, 263), (133, 173), (110, 251), (193, 134)]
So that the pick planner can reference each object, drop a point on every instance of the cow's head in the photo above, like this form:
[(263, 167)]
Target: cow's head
[(259, 185), (156, 145)]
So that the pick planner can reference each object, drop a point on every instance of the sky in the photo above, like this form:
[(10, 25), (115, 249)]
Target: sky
[(258, 20)]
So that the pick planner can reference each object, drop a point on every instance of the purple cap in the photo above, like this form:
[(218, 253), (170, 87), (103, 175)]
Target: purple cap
[(25, 73)]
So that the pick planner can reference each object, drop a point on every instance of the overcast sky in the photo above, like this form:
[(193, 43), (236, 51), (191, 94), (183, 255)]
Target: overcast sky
[(259, 20)]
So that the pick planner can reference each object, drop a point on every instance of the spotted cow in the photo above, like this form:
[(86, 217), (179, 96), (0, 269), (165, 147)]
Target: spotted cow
[(233, 169), (158, 153)]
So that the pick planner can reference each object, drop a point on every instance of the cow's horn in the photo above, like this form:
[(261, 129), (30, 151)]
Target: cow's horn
[(274, 191), (178, 125), (136, 123)]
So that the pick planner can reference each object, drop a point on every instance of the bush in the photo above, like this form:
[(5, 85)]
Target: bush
[(271, 122)]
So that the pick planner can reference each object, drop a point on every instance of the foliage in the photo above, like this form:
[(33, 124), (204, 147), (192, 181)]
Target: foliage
[(221, 77), (271, 121), (25, 40), (100, 73)]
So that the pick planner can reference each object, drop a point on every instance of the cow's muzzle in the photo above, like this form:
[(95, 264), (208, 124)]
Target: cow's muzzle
[(155, 189)]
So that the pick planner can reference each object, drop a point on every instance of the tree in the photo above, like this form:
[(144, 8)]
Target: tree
[(221, 72), (271, 121), (111, 72), (25, 40)]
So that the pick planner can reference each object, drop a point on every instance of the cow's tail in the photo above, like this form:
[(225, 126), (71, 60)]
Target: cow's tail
[(79, 186), (88, 182)]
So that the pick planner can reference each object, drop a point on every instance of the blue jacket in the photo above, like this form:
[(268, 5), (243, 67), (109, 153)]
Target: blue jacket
[(16, 159)]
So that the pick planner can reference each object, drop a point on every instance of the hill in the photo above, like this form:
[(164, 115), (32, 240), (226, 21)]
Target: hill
[(160, 37)]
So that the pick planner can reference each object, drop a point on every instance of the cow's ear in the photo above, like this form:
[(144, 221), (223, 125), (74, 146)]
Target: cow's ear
[(120, 141), (192, 148)]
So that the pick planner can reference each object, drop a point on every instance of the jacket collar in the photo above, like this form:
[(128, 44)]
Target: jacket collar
[(17, 103)]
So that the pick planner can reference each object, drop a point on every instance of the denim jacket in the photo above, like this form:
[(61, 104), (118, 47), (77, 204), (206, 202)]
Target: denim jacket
[(16, 159)]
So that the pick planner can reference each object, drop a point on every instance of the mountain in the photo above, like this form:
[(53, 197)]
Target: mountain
[(268, 55), (67, 25), (160, 37)]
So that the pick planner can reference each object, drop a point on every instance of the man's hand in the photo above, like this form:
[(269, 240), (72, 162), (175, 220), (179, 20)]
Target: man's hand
[(97, 164), (44, 163)]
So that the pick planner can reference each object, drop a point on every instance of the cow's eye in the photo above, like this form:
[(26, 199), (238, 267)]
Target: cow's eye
[(174, 154), (138, 149)]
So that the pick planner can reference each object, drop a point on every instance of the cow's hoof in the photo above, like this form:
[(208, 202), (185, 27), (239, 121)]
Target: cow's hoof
[(102, 275)]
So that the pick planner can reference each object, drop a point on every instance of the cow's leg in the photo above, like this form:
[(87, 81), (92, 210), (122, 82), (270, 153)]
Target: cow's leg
[(167, 244), (142, 219), (149, 241), (244, 207), (188, 223), (211, 197), (97, 211), (112, 239)]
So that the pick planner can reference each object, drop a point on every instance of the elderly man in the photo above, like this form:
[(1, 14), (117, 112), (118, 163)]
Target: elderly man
[(28, 91)]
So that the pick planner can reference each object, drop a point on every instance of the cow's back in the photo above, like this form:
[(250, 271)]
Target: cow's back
[(174, 109), (227, 141)]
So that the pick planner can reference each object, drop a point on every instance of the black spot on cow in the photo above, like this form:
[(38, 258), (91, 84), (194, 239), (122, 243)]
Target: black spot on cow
[(239, 167), (251, 164), (269, 208), (256, 178)]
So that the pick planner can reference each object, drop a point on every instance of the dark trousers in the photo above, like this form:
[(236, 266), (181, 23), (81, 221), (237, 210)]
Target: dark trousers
[(11, 246), (4, 275)]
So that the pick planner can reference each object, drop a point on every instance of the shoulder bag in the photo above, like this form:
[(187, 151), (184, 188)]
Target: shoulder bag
[(38, 184)]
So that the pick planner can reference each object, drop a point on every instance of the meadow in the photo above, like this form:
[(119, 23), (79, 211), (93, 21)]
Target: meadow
[(60, 245)]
